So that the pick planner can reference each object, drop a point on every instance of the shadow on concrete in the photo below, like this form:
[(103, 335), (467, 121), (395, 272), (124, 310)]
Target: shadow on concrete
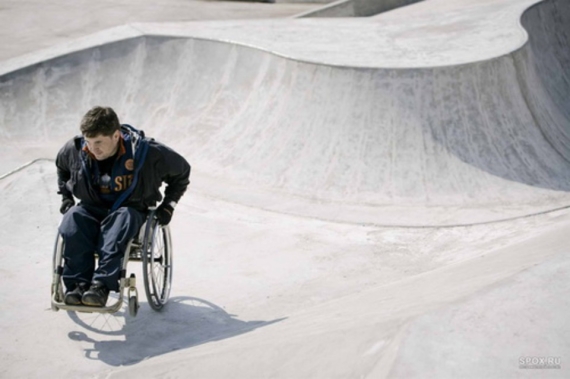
[(356, 8), (185, 322)]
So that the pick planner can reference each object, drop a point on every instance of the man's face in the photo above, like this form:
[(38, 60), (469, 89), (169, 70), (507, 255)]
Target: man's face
[(103, 147)]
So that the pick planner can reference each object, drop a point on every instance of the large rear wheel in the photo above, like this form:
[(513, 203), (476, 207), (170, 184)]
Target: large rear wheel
[(57, 270), (157, 263)]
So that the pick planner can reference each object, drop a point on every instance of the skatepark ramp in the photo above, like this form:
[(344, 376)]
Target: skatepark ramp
[(348, 179), (396, 146)]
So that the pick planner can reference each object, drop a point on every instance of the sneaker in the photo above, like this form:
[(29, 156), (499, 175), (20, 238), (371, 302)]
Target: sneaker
[(96, 296), (73, 297)]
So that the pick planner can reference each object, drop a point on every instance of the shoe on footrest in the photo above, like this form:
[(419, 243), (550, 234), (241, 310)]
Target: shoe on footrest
[(73, 297), (96, 295)]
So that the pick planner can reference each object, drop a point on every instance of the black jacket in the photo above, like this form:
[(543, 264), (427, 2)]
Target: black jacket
[(160, 164)]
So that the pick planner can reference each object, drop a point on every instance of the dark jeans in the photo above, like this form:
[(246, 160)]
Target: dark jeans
[(88, 230)]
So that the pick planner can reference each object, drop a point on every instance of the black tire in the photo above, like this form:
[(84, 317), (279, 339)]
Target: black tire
[(133, 306), (157, 263), (56, 269)]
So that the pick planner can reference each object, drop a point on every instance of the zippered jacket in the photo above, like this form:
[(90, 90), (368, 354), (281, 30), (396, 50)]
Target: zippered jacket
[(139, 171)]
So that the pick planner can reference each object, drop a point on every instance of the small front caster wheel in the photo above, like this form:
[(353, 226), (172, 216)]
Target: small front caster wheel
[(133, 306)]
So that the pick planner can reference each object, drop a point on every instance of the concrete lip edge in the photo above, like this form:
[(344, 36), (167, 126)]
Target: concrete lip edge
[(224, 31)]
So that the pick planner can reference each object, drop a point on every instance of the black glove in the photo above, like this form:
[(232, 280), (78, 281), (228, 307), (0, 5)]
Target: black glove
[(164, 213), (66, 203)]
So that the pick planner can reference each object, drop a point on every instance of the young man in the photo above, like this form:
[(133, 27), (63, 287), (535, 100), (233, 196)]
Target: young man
[(116, 173)]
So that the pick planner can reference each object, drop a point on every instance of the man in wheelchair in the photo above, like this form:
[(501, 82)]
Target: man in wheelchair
[(116, 173)]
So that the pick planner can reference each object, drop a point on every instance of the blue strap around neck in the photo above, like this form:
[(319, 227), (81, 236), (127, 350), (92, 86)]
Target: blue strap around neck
[(140, 156)]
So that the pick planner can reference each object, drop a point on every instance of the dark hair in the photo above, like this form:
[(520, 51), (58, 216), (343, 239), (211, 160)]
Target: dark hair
[(99, 121)]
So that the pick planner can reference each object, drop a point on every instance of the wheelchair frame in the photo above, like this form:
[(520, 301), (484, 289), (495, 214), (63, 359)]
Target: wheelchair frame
[(153, 248)]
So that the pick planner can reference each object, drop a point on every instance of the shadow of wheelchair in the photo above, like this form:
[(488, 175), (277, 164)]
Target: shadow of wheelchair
[(185, 322)]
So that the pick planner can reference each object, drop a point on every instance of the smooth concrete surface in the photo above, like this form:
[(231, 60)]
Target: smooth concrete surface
[(290, 135), (371, 197), (29, 25)]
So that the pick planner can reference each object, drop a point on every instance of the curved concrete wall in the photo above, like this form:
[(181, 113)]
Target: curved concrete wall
[(484, 135), (546, 74)]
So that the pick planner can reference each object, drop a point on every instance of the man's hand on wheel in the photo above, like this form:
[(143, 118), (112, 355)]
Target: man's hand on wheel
[(66, 204), (164, 213)]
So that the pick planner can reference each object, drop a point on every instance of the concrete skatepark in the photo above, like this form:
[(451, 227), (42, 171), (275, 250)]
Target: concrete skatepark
[(382, 196)]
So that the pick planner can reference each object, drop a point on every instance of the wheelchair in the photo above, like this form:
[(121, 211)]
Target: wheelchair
[(152, 246)]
